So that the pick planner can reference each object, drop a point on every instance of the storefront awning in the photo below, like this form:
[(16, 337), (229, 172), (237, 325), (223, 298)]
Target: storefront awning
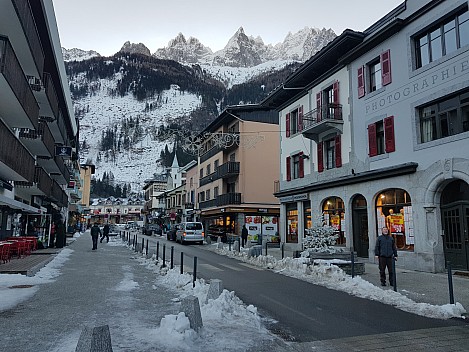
[(9, 202)]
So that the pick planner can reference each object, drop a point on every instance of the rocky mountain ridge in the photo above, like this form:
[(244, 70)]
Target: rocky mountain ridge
[(240, 51)]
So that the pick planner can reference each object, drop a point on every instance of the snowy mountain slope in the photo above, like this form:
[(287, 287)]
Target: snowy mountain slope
[(102, 111)]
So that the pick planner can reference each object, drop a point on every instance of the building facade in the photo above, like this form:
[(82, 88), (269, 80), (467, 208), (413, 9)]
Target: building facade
[(38, 130), (237, 170), (404, 164)]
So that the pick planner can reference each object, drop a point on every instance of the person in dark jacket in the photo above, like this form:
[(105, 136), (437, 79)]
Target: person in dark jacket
[(105, 233), (244, 235), (386, 252), (95, 232)]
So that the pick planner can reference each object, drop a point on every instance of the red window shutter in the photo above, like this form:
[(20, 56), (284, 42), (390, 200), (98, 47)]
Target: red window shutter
[(361, 82), (318, 107), (301, 166), (338, 151), (386, 67), (335, 89), (288, 168), (287, 125), (389, 140), (372, 146), (320, 157), (300, 118)]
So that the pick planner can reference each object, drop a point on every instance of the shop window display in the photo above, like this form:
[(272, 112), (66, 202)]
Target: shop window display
[(292, 224), (394, 211), (334, 215), (307, 216)]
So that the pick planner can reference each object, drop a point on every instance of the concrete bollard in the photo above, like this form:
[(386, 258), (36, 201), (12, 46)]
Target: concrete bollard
[(219, 240), (97, 339), (236, 246), (219, 245), (215, 289), (255, 251), (208, 239), (191, 308)]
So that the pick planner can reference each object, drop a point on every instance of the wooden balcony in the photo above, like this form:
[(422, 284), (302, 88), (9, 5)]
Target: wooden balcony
[(41, 185), (16, 163), (18, 105), (63, 176), (40, 141), (25, 15), (326, 119), (51, 96), (59, 195)]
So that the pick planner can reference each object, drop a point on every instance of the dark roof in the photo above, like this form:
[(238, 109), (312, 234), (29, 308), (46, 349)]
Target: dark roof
[(242, 112), (313, 70)]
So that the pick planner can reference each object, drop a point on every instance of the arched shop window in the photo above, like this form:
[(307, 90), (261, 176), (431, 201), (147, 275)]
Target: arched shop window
[(307, 216), (394, 211), (292, 223), (334, 214)]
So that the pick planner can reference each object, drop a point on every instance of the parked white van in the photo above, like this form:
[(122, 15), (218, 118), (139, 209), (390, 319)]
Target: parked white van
[(190, 232)]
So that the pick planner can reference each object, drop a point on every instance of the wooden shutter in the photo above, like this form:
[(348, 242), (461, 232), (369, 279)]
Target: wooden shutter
[(288, 168), (335, 89), (318, 107), (361, 82), (372, 146), (386, 68), (287, 125), (320, 156), (300, 118), (338, 151), (389, 140), (301, 166)]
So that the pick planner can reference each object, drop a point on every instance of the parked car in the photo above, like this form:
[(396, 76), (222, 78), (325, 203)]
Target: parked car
[(190, 232), (171, 233), (152, 229)]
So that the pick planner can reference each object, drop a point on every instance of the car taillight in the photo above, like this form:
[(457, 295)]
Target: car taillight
[(203, 234), (184, 234)]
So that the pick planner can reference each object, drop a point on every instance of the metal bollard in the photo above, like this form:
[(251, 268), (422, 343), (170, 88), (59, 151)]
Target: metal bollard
[(450, 283), (194, 274), (172, 257), (352, 259), (157, 250), (136, 245), (182, 263), (146, 249), (283, 250), (143, 244), (394, 274), (164, 256), (229, 245), (265, 248)]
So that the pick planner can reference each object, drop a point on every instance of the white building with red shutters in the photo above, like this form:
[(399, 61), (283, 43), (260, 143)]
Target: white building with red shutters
[(402, 159)]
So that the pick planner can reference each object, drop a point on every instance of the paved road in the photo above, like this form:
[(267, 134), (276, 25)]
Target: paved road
[(304, 311)]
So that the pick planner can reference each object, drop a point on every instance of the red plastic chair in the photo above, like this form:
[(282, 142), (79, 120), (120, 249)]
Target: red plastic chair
[(5, 252)]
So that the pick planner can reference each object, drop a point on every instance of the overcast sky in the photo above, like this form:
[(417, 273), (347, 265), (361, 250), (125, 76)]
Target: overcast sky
[(104, 25)]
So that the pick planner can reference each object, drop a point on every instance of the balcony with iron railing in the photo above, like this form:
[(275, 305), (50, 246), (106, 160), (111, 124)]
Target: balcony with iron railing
[(19, 162), (222, 200), (18, 105), (208, 179), (40, 141), (325, 119), (25, 15), (189, 206), (228, 169)]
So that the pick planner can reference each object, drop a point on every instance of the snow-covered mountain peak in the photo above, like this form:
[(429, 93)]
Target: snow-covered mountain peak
[(75, 54), (133, 48)]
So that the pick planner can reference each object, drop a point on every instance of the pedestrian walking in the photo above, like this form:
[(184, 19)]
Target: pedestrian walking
[(386, 252), (105, 233), (244, 236), (95, 232)]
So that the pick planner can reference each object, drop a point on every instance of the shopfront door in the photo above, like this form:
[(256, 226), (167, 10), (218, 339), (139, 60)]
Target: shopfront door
[(456, 237), (360, 232)]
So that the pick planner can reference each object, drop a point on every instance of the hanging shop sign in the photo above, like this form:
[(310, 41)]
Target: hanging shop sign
[(63, 151)]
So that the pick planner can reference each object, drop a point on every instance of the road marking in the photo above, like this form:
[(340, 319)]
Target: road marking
[(231, 267), (251, 266), (210, 267)]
